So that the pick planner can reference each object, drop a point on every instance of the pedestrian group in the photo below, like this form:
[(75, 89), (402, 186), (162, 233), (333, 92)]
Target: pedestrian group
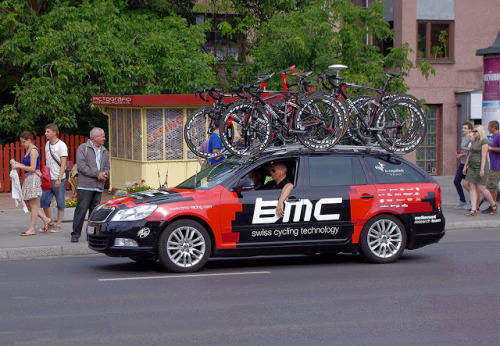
[(93, 170)]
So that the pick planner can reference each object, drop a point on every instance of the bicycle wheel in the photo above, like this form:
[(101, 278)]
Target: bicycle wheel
[(199, 126), (359, 129), (319, 123), (251, 126), (401, 126)]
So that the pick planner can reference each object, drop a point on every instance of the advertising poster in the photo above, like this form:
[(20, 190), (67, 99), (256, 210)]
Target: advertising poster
[(491, 90)]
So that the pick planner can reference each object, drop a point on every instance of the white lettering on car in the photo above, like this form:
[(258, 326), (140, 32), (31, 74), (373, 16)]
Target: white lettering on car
[(265, 211)]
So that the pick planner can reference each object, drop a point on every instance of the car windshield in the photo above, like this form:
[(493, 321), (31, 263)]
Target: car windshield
[(214, 175)]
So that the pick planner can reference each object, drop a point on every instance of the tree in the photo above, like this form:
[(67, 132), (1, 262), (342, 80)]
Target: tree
[(73, 51), (329, 32)]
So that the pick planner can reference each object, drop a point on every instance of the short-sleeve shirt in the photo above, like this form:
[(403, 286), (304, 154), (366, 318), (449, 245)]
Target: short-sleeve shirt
[(465, 143), (215, 143), (495, 157), (59, 149)]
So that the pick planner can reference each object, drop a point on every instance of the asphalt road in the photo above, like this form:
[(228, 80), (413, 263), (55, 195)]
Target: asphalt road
[(443, 294)]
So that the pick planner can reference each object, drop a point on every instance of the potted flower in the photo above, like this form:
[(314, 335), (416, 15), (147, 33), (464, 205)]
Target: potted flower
[(132, 187), (69, 212)]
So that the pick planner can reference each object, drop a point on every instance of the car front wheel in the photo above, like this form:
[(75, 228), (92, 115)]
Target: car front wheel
[(383, 239), (184, 246)]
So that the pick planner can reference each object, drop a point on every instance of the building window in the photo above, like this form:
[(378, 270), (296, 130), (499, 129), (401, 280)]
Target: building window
[(428, 151), (435, 40), (385, 45), (221, 46)]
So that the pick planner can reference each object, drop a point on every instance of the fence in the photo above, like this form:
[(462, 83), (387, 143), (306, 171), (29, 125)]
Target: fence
[(16, 151)]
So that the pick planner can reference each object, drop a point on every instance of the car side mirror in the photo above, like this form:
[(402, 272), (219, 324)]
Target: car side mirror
[(244, 184)]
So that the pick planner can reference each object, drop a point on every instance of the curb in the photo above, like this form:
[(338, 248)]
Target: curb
[(45, 251)]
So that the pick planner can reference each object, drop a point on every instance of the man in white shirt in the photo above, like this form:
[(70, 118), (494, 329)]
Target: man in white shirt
[(56, 156)]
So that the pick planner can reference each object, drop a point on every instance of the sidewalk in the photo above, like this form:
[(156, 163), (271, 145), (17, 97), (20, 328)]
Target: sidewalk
[(14, 221)]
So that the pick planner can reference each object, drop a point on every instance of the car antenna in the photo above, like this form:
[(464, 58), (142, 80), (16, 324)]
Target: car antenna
[(166, 179)]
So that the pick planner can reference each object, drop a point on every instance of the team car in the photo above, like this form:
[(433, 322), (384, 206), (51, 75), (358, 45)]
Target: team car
[(349, 199)]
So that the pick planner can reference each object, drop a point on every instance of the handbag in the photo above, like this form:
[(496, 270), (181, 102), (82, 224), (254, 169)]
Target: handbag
[(45, 177), (69, 164)]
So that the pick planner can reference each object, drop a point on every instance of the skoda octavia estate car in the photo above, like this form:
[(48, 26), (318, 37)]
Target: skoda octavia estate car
[(349, 199)]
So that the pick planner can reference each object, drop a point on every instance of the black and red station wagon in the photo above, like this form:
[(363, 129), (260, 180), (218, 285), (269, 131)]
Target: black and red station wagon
[(349, 199)]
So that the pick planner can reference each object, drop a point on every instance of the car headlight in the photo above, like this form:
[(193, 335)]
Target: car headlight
[(133, 214)]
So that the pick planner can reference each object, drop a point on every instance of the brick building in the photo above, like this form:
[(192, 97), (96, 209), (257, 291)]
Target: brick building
[(448, 33)]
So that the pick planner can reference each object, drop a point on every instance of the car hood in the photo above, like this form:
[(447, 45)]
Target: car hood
[(160, 196)]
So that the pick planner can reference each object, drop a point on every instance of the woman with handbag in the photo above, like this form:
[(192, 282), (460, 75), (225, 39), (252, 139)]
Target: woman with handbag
[(32, 186)]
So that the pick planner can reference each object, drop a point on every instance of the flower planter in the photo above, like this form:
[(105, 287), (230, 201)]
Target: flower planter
[(69, 213)]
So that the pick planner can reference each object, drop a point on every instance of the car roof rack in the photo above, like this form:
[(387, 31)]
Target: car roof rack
[(299, 148)]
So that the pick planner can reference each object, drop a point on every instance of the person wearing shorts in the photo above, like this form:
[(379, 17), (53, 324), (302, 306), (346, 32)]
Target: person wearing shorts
[(494, 151), (56, 156)]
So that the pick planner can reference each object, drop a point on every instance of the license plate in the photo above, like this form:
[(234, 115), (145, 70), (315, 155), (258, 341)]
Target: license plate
[(91, 230)]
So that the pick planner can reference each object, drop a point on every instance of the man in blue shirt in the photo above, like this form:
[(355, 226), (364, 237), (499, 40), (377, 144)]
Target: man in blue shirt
[(215, 145)]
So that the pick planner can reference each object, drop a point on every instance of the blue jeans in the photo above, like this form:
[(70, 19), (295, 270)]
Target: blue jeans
[(58, 193), (458, 182)]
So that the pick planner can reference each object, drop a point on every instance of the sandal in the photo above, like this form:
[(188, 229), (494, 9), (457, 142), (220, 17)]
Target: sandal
[(46, 228), (472, 213), (24, 234), (493, 209)]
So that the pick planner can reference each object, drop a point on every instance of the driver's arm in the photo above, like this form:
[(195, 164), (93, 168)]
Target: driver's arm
[(285, 192)]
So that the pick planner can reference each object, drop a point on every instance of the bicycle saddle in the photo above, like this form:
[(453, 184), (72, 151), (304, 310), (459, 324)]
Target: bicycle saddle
[(302, 75), (337, 67), (392, 75)]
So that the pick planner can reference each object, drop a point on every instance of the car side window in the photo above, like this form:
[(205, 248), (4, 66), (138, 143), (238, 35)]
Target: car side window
[(330, 171), (393, 171), (358, 171)]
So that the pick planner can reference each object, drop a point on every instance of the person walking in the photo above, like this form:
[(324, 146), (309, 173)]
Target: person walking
[(93, 170), (462, 156), (32, 186), (494, 176), (56, 156), (477, 168)]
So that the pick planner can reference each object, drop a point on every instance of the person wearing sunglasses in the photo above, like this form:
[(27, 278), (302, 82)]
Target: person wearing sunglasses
[(476, 170), (278, 172)]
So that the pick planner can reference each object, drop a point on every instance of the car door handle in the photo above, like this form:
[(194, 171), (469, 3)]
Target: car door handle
[(292, 199), (366, 196)]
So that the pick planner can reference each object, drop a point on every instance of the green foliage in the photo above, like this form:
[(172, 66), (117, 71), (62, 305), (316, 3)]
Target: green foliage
[(329, 32), (72, 52)]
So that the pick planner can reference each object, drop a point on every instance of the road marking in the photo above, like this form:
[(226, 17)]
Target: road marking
[(182, 276)]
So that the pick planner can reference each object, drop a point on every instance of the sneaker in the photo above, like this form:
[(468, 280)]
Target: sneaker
[(460, 205), (468, 207), (55, 229), (487, 210)]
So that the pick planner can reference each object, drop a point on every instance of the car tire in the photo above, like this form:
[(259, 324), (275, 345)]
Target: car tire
[(383, 239), (184, 246)]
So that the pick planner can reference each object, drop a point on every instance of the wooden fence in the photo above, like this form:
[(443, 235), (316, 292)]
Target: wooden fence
[(16, 151)]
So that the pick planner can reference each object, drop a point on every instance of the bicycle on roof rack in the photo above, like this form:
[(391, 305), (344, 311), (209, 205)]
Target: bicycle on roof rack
[(200, 125), (394, 121), (256, 120)]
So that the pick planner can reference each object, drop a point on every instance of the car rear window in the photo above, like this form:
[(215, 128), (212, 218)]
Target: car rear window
[(389, 170)]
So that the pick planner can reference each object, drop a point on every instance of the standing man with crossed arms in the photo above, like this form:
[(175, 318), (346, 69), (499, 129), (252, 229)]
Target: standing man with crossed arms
[(93, 170)]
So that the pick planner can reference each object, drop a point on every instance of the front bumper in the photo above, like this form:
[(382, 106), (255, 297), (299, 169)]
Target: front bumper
[(102, 237)]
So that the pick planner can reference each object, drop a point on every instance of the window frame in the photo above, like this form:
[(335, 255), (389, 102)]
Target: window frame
[(451, 40)]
